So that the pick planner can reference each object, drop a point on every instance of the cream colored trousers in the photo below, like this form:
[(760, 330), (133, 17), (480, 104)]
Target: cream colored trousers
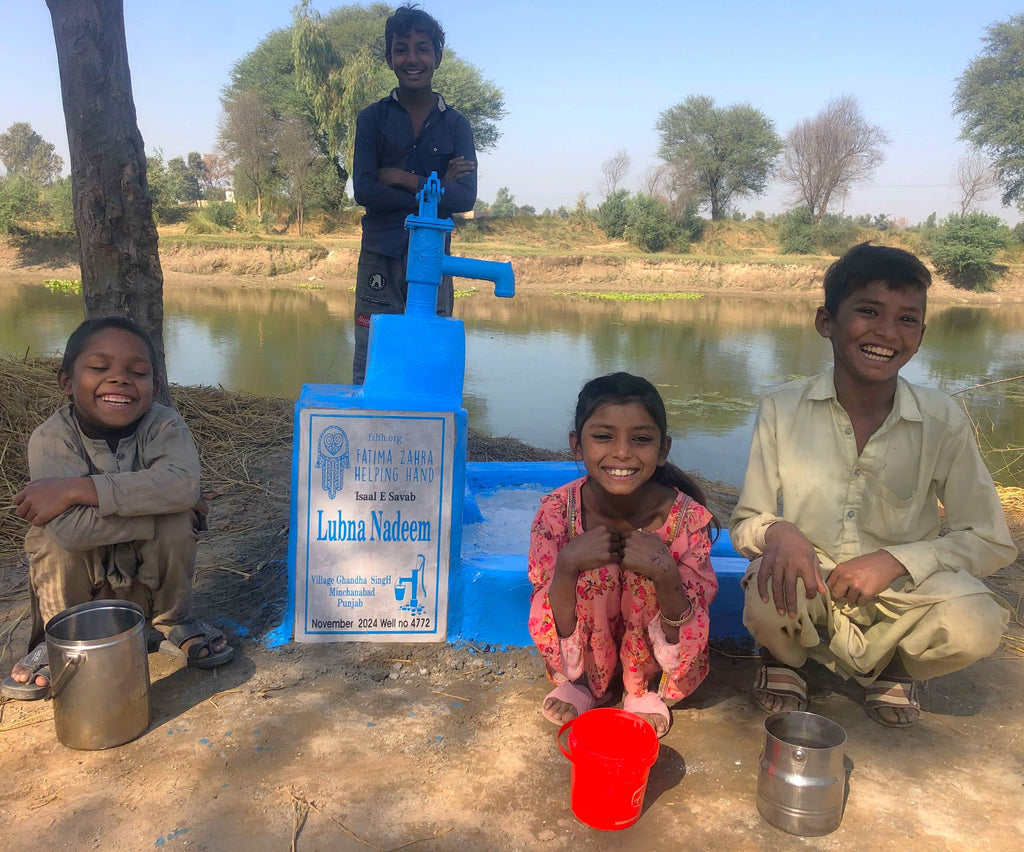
[(941, 626)]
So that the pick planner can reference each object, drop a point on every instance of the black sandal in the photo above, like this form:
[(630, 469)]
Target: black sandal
[(38, 662), (181, 633)]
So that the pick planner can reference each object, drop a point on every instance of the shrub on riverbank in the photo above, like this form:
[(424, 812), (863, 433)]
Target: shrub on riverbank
[(964, 248)]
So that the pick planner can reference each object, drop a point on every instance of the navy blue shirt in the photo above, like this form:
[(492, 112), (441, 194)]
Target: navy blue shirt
[(384, 139)]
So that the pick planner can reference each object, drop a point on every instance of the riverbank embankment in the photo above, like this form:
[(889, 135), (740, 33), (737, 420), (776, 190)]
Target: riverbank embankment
[(581, 265)]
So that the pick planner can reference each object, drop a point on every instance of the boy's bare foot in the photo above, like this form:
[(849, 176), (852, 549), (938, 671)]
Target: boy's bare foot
[(778, 687)]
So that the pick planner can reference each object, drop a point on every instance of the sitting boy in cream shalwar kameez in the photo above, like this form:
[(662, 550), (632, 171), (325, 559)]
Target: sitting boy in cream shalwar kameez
[(840, 509)]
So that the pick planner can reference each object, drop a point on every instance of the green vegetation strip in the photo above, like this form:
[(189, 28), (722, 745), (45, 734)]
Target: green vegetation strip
[(57, 285), (256, 241), (622, 296)]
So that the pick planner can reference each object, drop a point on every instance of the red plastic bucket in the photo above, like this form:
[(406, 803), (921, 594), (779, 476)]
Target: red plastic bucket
[(612, 753)]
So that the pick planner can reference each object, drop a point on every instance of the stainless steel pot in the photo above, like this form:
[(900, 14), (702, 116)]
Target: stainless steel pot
[(99, 672), (801, 783)]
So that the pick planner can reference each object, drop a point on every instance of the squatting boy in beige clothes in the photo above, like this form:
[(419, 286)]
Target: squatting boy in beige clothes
[(840, 509), (113, 500)]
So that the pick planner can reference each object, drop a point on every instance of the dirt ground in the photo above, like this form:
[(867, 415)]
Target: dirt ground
[(437, 747)]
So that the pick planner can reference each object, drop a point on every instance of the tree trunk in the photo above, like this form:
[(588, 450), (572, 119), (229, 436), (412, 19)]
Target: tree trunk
[(117, 236)]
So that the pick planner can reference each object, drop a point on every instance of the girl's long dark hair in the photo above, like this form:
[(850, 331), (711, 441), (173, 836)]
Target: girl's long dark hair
[(620, 388)]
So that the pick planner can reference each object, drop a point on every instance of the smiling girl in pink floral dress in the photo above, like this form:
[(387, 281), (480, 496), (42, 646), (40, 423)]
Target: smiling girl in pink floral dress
[(619, 562)]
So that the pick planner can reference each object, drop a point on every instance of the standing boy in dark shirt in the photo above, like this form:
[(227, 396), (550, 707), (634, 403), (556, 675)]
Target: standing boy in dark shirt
[(400, 140)]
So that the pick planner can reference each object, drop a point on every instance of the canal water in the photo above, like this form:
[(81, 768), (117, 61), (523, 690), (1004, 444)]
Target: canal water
[(527, 357)]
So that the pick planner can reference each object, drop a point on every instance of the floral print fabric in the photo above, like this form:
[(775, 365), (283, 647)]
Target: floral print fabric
[(617, 611)]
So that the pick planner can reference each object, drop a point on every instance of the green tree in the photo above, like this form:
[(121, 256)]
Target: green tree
[(165, 187), (25, 152), (197, 169), (182, 182), (58, 205), (964, 247), (801, 233), (989, 99), (796, 232), (504, 203), (724, 153), (156, 176), (613, 213), (318, 77), (19, 201), (298, 155), (649, 224), (248, 137), (481, 101)]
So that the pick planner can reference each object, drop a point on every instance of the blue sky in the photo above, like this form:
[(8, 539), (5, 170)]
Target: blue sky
[(584, 79)]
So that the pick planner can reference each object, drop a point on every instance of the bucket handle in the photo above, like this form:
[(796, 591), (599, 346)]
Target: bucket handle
[(564, 729), (73, 661)]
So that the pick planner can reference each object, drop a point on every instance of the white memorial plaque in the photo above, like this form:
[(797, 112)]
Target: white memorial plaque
[(374, 496)]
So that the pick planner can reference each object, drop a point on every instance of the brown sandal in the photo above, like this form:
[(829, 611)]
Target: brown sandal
[(776, 680), (896, 694)]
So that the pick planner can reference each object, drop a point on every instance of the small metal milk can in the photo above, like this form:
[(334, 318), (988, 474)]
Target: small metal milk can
[(801, 782)]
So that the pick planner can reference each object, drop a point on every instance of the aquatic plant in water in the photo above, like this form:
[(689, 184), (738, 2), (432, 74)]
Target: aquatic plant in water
[(57, 285), (701, 405), (622, 296)]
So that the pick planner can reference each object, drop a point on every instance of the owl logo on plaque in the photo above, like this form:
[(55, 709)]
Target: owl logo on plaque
[(332, 459)]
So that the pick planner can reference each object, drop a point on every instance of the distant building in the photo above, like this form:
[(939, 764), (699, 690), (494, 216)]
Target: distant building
[(229, 195)]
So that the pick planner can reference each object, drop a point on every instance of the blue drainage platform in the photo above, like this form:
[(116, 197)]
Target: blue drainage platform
[(489, 595)]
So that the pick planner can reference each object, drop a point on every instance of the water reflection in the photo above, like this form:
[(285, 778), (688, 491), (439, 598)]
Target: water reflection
[(527, 357)]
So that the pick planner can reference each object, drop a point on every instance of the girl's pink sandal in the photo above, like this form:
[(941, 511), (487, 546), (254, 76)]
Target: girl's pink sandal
[(649, 704), (575, 694)]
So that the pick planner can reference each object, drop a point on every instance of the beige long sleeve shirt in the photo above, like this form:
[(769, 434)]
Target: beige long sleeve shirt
[(154, 471), (804, 468)]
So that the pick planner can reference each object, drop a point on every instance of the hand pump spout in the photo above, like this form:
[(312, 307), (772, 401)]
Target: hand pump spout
[(419, 354), (428, 262)]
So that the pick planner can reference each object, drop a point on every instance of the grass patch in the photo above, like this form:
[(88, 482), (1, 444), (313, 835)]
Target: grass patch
[(233, 240), (623, 296), (58, 285), (308, 285), (462, 294)]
